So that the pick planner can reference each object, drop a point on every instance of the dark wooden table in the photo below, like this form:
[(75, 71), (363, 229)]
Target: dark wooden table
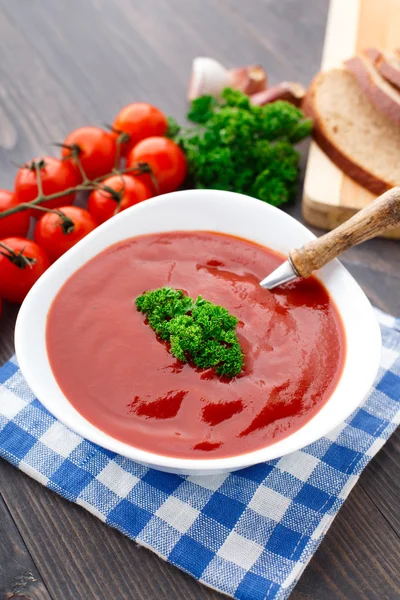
[(66, 64)]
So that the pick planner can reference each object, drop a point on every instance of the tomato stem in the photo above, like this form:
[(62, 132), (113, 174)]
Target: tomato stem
[(5, 247), (112, 128), (67, 224), (38, 165), (75, 156), (121, 139), (17, 258), (120, 195), (153, 178), (115, 194), (75, 151), (43, 209), (86, 186)]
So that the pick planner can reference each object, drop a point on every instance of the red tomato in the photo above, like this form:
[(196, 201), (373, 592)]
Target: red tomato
[(139, 120), (22, 262), (56, 175), (56, 235), (16, 224), (102, 205), (166, 159), (97, 150)]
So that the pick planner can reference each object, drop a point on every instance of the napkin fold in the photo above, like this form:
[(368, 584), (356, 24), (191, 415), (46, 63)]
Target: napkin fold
[(248, 534)]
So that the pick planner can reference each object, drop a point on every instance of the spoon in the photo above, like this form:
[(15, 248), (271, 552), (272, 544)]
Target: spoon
[(371, 221)]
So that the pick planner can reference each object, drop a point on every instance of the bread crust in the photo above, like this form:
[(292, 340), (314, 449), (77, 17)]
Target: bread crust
[(374, 86), (338, 156), (385, 66)]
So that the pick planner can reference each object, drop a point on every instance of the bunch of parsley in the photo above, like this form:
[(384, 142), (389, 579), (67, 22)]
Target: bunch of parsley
[(244, 148)]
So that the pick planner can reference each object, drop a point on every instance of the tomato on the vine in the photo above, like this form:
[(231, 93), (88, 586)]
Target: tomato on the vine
[(96, 148), (103, 204), (16, 224), (22, 262), (165, 158), (56, 176), (57, 233), (139, 120)]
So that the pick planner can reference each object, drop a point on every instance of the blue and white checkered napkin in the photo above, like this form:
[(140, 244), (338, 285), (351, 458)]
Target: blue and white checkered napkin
[(249, 534)]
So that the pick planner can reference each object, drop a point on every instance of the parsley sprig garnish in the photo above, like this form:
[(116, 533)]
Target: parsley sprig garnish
[(197, 330)]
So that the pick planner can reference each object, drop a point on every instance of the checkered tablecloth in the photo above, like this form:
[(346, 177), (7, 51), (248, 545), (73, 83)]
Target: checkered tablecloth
[(249, 534)]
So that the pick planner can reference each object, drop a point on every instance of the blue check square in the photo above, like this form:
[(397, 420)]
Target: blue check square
[(191, 556), (256, 473), (165, 482), (223, 509), (16, 441), (255, 587), (368, 423), (70, 478), (129, 518), (390, 385), (314, 498), (341, 458), (7, 371), (286, 542)]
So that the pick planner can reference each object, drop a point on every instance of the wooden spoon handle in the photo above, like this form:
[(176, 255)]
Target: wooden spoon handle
[(382, 214)]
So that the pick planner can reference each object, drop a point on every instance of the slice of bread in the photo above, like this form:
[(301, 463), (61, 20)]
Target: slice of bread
[(350, 129), (378, 90), (388, 66)]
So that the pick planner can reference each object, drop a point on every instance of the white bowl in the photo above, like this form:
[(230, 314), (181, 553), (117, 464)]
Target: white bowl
[(209, 210)]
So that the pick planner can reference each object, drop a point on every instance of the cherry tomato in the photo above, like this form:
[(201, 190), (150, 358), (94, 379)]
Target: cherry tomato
[(56, 175), (16, 224), (102, 205), (22, 262), (97, 150), (57, 235), (166, 159), (139, 120)]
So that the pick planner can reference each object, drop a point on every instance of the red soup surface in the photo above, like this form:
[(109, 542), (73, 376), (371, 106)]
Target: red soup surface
[(120, 377)]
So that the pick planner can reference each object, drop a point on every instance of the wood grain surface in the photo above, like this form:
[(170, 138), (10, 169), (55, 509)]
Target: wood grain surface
[(66, 64)]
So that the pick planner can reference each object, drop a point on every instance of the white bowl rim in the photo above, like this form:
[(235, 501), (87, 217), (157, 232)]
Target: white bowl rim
[(25, 350)]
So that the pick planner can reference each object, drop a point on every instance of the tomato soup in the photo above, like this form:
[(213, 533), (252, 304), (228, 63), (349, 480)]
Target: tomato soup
[(115, 371)]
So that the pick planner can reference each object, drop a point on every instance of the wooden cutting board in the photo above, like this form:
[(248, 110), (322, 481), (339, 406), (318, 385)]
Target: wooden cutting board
[(329, 196)]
